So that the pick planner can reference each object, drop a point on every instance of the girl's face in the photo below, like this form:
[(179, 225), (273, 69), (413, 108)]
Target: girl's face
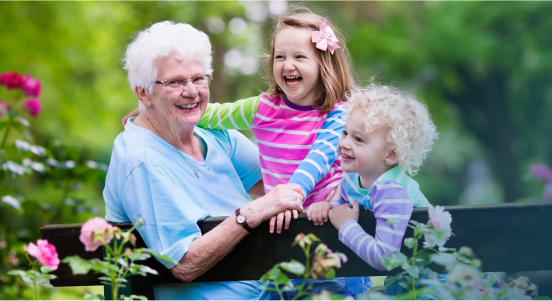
[(296, 68)]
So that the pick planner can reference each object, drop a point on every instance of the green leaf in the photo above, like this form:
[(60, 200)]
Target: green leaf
[(45, 269), (134, 297), (91, 296), (294, 267), (422, 259), (78, 265), (330, 274), (410, 242), (282, 279)]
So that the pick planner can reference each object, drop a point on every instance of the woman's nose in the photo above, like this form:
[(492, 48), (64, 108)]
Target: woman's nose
[(190, 90)]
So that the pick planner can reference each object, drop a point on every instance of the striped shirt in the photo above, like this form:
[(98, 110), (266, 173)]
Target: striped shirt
[(297, 144), (392, 199)]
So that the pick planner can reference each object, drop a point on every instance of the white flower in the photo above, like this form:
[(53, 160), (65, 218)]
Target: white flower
[(439, 217)]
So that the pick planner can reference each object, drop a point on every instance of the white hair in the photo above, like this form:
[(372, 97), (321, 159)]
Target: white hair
[(160, 40), (410, 128)]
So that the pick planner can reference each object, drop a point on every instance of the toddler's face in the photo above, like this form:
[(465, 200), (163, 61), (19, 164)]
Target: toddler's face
[(361, 152), (296, 67)]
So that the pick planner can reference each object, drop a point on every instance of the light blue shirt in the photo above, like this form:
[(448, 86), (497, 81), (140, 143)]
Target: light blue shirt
[(148, 178)]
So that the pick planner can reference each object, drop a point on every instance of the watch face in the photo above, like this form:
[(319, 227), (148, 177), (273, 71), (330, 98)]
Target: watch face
[(240, 218)]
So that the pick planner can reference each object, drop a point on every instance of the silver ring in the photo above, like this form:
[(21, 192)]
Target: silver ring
[(295, 198)]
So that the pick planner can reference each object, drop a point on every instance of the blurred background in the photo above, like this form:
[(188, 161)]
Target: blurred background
[(483, 68)]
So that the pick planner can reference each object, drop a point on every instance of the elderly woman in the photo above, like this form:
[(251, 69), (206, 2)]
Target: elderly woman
[(172, 174)]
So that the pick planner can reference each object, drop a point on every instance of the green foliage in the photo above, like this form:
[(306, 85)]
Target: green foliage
[(322, 266), (118, 264)]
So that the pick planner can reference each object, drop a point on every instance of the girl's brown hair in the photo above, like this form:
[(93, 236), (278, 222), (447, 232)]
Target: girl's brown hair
[(336, 77)]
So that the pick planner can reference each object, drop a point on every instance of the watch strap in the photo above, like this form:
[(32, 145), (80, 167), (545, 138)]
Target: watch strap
[(244, 224)]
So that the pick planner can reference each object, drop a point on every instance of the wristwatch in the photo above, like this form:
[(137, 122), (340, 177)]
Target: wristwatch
[(242, 220)]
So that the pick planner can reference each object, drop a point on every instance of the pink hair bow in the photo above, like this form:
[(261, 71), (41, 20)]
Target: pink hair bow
[(325, 38)]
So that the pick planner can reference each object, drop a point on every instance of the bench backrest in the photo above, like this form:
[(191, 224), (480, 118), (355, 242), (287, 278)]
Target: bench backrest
[(506, 237)]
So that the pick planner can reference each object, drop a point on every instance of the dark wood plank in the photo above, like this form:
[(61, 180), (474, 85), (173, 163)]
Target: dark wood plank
[(506, 237)]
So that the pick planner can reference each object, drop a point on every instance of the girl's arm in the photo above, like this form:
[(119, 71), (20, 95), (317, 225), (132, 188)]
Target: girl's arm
[(391, 202), (237, 115), (323, 152)]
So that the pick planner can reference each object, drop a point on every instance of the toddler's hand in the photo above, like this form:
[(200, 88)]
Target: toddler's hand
[(344, 213), (318, 212)]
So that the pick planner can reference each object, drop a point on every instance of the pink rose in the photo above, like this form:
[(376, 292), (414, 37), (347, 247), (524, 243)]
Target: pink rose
[(439, 217), (542, 171), (11, 80), (33, 107), (45, 253), (94, 233), (31, 86)]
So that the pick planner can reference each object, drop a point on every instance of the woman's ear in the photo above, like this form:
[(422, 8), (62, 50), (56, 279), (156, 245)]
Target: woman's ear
[(143, 95), (392, 158)]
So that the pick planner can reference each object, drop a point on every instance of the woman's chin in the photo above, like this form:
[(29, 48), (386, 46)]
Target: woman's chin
[(190, 116)]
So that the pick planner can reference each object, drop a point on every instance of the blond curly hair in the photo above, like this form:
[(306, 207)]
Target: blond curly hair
[(410, 128)]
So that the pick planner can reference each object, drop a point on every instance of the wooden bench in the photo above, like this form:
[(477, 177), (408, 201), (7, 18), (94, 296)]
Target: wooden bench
[(506, 237)]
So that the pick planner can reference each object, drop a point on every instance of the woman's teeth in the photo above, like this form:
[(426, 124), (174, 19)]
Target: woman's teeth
[(292, 80), (187, 107)]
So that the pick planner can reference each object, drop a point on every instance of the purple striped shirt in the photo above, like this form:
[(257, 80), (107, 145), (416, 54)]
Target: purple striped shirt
[(390, 202)]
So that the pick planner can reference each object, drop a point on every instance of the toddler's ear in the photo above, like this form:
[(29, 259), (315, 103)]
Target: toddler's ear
[(392, 158)]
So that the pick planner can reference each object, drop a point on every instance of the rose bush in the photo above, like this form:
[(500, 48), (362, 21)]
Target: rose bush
[(45, 253), (95, 233)]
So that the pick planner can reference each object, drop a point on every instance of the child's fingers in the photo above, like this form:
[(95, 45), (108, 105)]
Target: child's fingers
[(325, 215), (309, 211), (355, 206), (287, 217), (271, 225), (279, 222), (318, 216), (295, 214)]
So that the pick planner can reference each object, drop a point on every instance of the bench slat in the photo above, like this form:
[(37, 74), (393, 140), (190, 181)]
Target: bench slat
[(506, 237)]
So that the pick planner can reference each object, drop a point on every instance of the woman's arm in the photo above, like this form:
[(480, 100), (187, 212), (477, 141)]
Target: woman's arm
[(323, 152), (210, 248)]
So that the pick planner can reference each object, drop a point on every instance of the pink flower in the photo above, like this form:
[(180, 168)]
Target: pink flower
[(439, 217), (32, 106), (45, 253), (31, 86), (11, 80), (542, 171), (95, 232)]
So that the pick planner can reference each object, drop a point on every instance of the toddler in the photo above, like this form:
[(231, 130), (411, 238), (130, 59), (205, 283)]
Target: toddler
[(387, 136)]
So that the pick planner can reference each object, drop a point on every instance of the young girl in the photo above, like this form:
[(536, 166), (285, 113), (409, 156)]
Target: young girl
[(388, 134), (298, 121)]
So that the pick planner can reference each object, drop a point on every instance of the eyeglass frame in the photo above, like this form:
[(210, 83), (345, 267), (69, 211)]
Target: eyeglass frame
[(162, 82)]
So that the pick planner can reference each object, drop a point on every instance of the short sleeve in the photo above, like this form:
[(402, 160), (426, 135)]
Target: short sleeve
[(169, 213), (245, 158)]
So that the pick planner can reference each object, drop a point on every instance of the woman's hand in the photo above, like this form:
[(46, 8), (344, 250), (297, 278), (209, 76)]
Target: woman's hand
[(340, 215), (318, 212), (280, 199), (131, 114), (285, 217)]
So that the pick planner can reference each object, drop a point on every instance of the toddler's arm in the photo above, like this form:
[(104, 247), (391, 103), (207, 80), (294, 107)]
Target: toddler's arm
[(323, 152), (231, 115), (390, 202)]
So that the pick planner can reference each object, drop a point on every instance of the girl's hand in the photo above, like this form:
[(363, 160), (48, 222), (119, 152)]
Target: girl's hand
[(344, 213), (131, 114), (318, 212)]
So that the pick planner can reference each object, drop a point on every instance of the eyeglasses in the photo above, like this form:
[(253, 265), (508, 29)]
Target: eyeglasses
[(178, 83)]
